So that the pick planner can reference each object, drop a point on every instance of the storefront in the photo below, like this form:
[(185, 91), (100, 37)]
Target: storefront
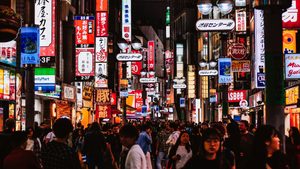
[(292, 108), (256, 108)]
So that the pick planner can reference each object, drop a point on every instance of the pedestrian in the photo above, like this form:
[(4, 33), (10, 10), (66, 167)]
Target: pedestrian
[(19, 157), (114, 140), (245, 146), (94, 146), (33, 142), (266, 149), (161, 147), (181, 152), (293, 148), (57, 154), (136, 158), (211, 155), (145, 141)]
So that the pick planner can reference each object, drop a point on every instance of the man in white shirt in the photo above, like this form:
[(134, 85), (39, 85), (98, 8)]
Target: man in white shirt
[(136, 158)]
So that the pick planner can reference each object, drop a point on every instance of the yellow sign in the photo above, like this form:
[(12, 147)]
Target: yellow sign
[(289, 41), (291, 95)]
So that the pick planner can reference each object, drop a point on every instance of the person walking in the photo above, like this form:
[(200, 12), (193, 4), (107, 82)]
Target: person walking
[(293, 148), (57, 154), (136, 158), (145, 141)]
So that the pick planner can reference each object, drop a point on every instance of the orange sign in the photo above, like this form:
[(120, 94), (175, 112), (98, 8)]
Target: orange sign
[(84, 30), (101, 5), (291, 95)]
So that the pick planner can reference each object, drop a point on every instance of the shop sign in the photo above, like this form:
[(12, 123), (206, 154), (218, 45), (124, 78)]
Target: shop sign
[(113, 99), (136, 68), (101, 75), (240, 3), (289, 41), (237, 96), (182, 102), (101, 5), (79, 94), (225, 73), (84, 29), (103, 96), (69, 93), (215, 24), (258, 78), (87, 93), (30, 44), (45, 17), (126, 19), (292, 66), (8, 53), (44, 79), (84, 62), (125, 57), (103, 111), (179, 86), (208, 72), (151, 55), (101, 23), (1, 83), (6, 85), (241, 66), (241, 20), (52, 94), (147, 80), (237, 51), (138, 100), (292, 95), (291, 17), (101, 49), (12, 86)]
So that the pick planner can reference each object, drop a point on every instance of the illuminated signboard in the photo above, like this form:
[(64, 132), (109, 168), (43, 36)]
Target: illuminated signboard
[(291, 95), (44, 79), (84, 29)]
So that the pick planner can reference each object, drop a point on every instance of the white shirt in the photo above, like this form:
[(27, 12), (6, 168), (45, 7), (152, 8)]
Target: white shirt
[(136, 158), (184, 156)]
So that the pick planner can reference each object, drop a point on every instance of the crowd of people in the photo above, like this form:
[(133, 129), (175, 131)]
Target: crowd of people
[(148, 145)]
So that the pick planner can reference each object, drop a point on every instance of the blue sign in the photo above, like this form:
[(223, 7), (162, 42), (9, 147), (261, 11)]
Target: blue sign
[(182, 102), (124, 93), (144, 110), (225, 70), (261, 80), (30, 45)]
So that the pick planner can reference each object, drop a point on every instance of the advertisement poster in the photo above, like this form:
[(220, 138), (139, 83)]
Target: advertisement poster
[(101, 75), (84, 62), (12, 86), (84, 30), (291, 17), (45, 18), (101, 49), (6, 85), (8, 53), (30, 45), (292, 66), (225, 70), (289, 41)]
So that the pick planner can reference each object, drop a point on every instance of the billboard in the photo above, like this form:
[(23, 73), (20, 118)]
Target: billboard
[(289, 41), (102, 23), (235, 96), (84, 29), (101, 75), (292, 66), (84, 62), (101, 49), (291, 17), (8, 53), (44, 79), (30, 45), (224, 67), (45, 18)]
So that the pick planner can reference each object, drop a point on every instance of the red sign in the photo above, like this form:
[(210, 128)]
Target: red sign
[(136, 68), (151, 55), (101, 24), (103, 111), (237, 51), (138, 100), (84, 30), (291, 18), (101, 5), (113, 99), (237, 95)]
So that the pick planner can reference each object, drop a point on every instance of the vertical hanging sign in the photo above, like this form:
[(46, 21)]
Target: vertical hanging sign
[(30, 46), (225, 75), (151, 55), (126, 19)]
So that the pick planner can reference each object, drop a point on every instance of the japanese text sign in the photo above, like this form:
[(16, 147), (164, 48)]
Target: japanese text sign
[(241, 20), (30, 45), (85, 62), (215, 24), (291, 17), (84, 29), (151, 55), (101, 49), (69, 93), (103, 96), (101, 5), (292, 95), (102, 24), (126, 19)]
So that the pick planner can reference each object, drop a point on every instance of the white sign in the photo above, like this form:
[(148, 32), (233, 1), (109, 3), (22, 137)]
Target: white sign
[(292, 66), (241, 20), (101, 49), (208, 72), (179, 86), (43, 18), (240, 2), (78, 94), (243, 103), (129, 57), (147, 80), (69, 92), (126, 19), (215, 24), (101, 75), (179, 80)]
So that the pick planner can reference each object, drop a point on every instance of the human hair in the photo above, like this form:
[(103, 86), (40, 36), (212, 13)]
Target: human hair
[(187, 146), (246, 123), (263, 134), (296, 135), (95, 126), (128, 130), (62, 127), (18, 138)]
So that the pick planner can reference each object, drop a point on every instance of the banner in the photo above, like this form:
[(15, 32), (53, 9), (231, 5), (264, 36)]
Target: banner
[(84, 29), (289, 41), (84, 62), (224, 70), (8, 53), (30, 45), (45, 18)]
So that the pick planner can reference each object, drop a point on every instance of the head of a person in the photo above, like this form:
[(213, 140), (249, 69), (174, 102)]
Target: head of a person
[(173, 126), (30, 132), (147, 128), (244, 126), (266, 141), (19, 139), (128, 135), (204, 126), (233, 130), (10, 124), (294, 133), (62, 127), (183, 140), (115, 128), (95, 126), (211, 141)]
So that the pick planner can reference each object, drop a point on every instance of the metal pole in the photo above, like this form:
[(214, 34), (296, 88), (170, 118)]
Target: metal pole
[(124, 98)]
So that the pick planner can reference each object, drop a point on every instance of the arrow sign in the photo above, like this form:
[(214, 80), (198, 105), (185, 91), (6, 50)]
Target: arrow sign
[(208, 72), (179, 86), (129, 57)]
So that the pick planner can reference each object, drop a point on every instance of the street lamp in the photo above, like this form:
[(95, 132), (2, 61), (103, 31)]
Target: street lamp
[(206, 6), (125, 48)]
